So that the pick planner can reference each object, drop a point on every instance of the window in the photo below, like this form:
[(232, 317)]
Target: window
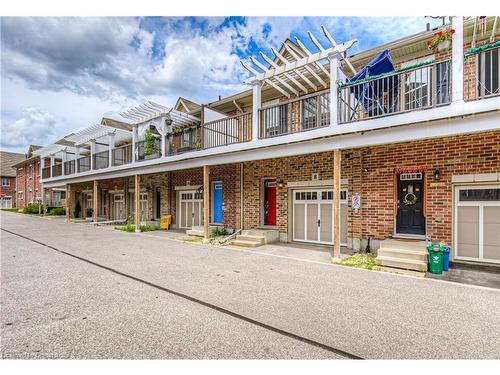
[(474, 195), (5, 181), (488, 68)]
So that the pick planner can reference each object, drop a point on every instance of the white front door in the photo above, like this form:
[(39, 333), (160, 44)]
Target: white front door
[(190, 208), (313, 216), (477, 223), (118, 207)]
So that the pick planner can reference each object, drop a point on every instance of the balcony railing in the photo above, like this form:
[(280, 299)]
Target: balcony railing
[(141, 153), (482, 74), (306, 113), (83, 164), (226, 131), (57, 170), (122, 155), (417, 88), (46, 172), (101, 159), (186, 141), (69, 167)]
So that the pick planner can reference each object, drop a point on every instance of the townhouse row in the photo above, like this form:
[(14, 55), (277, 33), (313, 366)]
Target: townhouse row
[(395, 143)]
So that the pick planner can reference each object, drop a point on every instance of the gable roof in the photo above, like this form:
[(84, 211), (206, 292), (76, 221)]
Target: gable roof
[(7, 161), (186, 105)]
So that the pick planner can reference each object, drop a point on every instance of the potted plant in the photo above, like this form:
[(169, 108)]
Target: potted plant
[(89, 213), (441, 41), (149, 143)]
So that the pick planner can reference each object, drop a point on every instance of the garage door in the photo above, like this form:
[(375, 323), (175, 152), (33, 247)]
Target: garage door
[(477, 223), (190, 208), (6, 202), (313, 216)]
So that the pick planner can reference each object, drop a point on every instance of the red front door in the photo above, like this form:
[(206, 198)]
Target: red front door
[(270, 202)]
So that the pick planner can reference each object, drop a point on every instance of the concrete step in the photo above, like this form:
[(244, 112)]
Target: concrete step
[(270, 235), (258, 239), (246, 243), (407, 264), (195, 232), (398, 244), (403, 254)]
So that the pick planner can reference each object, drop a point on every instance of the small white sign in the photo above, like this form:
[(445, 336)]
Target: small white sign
[(356, 201)]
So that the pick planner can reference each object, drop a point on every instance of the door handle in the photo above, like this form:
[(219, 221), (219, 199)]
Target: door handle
[(319, 222)]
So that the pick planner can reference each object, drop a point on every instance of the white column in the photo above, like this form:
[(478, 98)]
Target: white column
[(257, 102), (111, 141), (64, 159), (92, 152), (164, 145), (52, 161), (457, 61), (134, 140), (334, 78), (77, 156)]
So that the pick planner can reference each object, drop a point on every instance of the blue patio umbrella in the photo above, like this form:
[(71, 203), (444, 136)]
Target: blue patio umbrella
[(370, 94)]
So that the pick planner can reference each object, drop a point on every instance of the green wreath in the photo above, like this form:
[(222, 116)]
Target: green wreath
[(410, 199)]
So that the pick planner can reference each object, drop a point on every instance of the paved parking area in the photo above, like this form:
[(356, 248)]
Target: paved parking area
[(54, 305)]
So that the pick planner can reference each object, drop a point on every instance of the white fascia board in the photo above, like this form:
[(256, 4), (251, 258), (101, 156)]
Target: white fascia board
[(366, 138)]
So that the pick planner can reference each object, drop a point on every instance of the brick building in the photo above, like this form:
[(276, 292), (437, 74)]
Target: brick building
[(28, 182), (323, 149), (8, 178)]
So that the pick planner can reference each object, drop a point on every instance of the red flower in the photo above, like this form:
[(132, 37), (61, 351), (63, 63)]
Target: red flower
[(429, 42), (439, 33), (452, 31)]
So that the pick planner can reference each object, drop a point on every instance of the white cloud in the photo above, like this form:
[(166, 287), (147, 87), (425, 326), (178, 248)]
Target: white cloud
[(33, 127)]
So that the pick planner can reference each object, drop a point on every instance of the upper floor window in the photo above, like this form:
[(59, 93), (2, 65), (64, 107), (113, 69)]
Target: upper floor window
[(488, 72), (5, 181)]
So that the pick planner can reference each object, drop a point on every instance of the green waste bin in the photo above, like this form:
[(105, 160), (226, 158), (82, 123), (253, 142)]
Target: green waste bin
[(435, 258)]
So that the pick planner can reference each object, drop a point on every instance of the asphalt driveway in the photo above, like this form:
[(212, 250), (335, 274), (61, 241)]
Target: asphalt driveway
[(240, 304)]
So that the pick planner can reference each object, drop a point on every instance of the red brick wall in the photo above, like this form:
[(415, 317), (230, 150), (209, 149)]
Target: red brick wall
[(9, 191), (466, 154), (370, 171), (180, 178), (28, 182), (229, 175)]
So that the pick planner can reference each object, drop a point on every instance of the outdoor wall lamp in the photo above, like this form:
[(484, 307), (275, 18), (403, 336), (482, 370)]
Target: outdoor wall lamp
[(281, 183), (437, 175)]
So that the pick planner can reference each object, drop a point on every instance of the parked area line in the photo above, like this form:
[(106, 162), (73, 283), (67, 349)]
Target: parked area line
[(197, 301)]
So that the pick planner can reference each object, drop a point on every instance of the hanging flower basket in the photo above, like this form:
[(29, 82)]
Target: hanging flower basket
[(441, 41)]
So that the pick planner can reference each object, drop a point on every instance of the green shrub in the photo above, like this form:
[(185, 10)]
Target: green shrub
[(148, 228), (218, 232), (56, 211), (131, 228), (33, 208), (126, 228)]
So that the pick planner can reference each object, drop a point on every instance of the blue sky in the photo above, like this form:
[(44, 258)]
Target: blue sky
[(59, 75)]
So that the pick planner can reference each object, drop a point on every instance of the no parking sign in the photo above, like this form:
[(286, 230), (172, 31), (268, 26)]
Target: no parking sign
[(356, 201)]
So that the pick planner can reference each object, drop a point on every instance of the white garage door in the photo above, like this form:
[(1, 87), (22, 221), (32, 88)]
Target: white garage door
[(477, 223), (313, 216), (6, 202), (190, 208)]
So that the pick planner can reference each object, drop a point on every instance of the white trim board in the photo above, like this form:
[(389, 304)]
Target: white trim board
[(188, 187), (314, 183)]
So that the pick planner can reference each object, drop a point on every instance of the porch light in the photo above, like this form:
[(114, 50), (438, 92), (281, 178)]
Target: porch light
[(437, 175), (281, 183)]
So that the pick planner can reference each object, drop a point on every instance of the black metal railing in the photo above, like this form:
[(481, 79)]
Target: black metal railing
[(101, 159), (306, 113), (45, 172), (140, 150), (482, 74), (185, 141), (417, 88), (226, 131), (122, 155), (57, 170), (69, 167), (83, 164)]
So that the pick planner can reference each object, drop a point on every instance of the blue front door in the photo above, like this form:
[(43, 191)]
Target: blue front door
[(217, 202)]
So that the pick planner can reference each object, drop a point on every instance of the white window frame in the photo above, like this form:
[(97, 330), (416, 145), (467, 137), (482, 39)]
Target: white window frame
[(5, 181)]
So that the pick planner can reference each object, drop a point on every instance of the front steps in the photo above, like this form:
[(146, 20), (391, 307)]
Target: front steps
[(255, 238), (404, 254)]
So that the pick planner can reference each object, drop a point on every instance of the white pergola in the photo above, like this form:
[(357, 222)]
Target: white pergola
[(299, 69), (150, 111)]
